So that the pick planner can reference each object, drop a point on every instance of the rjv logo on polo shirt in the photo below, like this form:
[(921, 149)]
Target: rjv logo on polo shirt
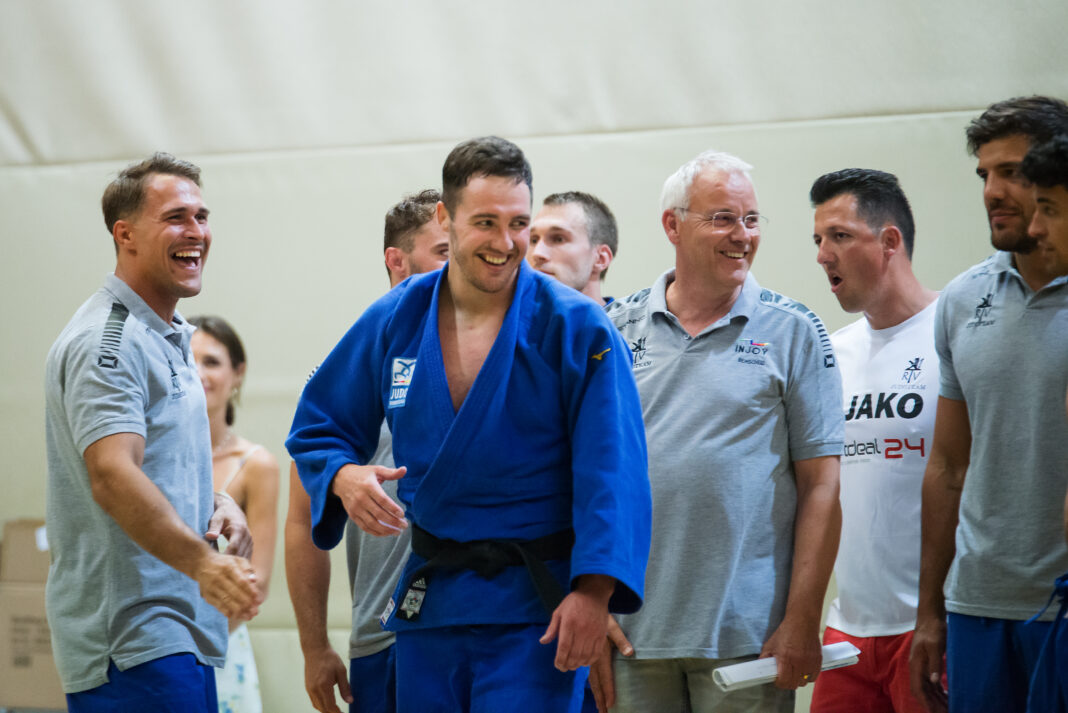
[(638, 350), (402, 372), (983, 310)]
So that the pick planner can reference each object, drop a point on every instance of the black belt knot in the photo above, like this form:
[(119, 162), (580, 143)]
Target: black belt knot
[(488, 558)]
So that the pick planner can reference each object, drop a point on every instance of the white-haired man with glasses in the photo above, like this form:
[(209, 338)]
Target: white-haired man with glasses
[(742, 404)]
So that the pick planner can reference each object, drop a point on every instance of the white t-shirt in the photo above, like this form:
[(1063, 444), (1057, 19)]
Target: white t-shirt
[(890, 391)]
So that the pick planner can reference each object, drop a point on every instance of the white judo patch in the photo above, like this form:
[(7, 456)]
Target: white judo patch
[(402, 372)]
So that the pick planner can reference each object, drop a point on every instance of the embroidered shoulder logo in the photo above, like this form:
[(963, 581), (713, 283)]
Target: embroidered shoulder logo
[(600, 355), (402, 372)]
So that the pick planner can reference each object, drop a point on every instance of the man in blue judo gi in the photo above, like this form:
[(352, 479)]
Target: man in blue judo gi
[(518, 436)]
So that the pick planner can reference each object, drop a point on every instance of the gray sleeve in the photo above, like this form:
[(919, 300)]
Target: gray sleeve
[(813, 399), (949, 387), (103, 396)]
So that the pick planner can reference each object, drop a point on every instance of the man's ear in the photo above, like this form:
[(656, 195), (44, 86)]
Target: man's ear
[(442, 216), (121, 234), (670, 220), (397, 263), (891, 240), (603, 260)]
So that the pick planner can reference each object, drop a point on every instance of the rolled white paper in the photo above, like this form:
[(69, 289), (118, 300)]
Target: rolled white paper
[(760, 671)]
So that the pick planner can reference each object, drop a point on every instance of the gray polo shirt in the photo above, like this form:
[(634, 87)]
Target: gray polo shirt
[(1004, 351), (118, 368), (726, 414)]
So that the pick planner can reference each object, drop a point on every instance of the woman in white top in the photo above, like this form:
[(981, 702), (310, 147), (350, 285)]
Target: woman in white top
[(248, 473)]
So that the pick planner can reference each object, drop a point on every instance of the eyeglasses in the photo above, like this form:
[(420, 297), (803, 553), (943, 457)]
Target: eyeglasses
[(724, 221)]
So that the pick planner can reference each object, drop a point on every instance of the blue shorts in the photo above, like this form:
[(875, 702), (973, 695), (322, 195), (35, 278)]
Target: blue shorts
[(1049, 685), (172, 684), (990, 662), (373, 680), (483, 669)]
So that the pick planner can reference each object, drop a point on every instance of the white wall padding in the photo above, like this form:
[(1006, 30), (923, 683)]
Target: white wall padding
[(84, 81)]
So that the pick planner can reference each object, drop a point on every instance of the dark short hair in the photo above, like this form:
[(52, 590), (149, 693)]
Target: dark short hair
[(1037, 117), (485, 156), (125, 195), (880, 199), (600, 223), (220, 329), (409, 215), (1046, 164)]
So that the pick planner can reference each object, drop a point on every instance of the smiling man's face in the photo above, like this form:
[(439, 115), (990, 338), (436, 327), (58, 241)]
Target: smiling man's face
[(489, 231), (165, 245), (723, 256)]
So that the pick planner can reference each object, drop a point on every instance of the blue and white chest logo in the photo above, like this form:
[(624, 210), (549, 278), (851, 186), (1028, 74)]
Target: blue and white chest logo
[(638, 350), (983, 310), (751, 351), (913, 371), (402, 372)]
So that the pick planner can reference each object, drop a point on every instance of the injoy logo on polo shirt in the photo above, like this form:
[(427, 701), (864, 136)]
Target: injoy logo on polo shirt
[(751, 351)]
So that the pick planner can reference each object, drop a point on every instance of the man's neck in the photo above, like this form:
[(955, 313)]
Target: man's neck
[(1032, 269), (699, 303), (593, 291), (903, 298), (163, 305), (469, 321)]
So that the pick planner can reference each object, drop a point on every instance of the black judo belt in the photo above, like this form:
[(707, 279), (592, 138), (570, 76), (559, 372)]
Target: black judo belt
[(488, 558)]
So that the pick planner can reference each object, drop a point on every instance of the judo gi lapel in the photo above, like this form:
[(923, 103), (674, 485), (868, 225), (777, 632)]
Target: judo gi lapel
[(457, 457)]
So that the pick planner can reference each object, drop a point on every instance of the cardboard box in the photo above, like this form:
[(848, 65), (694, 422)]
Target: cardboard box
[(24, 556), (28, 677)]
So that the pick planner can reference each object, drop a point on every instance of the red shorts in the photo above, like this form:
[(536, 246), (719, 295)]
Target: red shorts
[(878, 683)]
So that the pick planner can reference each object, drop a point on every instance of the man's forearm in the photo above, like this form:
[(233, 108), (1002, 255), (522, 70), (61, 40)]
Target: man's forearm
[(943, 483), (308, 576), (307, 570), (817, 527), (941, 501), (140, 508)]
